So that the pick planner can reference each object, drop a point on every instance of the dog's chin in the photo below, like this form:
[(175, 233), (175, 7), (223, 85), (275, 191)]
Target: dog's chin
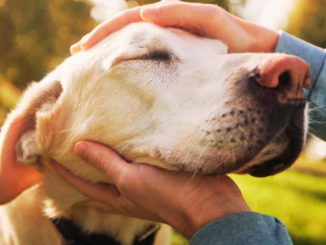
[(279, 154), (279, 163)]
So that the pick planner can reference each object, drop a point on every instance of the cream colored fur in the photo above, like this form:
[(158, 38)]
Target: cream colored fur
[(154, 110)]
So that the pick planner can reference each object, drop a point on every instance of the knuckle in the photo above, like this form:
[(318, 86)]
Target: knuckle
[(127, 11), (125, 180), (96, 157), (213, 11), (170, 5), (121, 181)]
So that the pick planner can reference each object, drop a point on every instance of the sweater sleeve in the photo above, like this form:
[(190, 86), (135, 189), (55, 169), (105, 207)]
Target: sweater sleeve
[(243, 229), (316, 94)]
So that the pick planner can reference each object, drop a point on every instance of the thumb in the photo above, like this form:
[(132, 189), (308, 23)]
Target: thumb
[(103, 158), (106, 193)]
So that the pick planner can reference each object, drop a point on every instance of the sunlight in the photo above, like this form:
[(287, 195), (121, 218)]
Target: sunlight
[(104, 9), (269, 13)]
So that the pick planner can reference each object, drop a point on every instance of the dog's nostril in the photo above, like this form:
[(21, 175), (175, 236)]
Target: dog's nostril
[(284, 78), (284, 81), (281, 79)]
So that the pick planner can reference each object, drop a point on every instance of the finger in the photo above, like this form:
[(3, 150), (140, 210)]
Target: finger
[(111, 25), (76, 47), (103, 158), (102, 192), (179, 14)]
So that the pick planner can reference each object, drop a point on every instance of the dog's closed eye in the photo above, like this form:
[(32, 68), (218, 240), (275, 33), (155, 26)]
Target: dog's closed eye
[(158, 54), (142, 54), (152, 55)]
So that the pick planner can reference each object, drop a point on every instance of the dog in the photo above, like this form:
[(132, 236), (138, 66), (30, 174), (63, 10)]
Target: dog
[(162, 97)]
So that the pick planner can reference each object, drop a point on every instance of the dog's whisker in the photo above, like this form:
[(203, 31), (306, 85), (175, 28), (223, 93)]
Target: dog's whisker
[(311, 121), (312, 107)]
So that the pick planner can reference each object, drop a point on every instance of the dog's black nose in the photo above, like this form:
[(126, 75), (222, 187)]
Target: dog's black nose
[(282, 78)]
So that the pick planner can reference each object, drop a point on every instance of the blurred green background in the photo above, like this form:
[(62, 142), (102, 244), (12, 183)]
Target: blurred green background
[(35, 37)]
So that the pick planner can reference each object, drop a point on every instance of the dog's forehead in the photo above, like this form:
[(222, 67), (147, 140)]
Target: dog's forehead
[(180, 41), (128, 40)]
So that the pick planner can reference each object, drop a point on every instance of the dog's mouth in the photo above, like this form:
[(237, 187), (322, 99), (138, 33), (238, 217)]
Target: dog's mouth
[(254, 139), (281, 152)]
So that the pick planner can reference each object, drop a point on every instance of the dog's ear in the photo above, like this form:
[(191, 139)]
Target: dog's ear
[(16, 176)]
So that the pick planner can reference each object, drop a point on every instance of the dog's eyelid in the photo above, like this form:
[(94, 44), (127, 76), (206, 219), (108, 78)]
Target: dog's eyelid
[(158, 54), (154, 55)]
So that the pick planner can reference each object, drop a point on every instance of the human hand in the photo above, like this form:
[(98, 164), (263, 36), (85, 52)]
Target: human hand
[(203, 19), (185, 201)]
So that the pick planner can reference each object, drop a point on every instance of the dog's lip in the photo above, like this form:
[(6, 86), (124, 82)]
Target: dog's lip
[(282, 161)]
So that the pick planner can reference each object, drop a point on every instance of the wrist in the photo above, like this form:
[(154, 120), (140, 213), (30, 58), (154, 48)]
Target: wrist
[(264, 40), (249, 37), (198, 220), (208, 206)]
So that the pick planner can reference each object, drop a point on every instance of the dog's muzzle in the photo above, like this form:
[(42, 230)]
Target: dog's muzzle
[(279, 85)]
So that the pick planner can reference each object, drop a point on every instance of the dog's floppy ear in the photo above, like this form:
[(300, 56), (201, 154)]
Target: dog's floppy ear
[(16, 176)]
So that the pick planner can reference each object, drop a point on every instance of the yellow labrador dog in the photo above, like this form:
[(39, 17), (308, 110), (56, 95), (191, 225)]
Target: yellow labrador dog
[(157, 96)]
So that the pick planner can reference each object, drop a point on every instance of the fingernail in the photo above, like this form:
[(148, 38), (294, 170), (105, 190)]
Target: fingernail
[(149, 12), (83, 45), (74, 48), (81, 149), (83, 42)]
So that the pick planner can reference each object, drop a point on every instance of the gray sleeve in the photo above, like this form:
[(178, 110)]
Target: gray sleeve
[(316, 94), (243, 229)]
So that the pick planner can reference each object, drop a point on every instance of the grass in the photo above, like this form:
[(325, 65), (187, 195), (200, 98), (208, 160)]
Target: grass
[(297, 198)]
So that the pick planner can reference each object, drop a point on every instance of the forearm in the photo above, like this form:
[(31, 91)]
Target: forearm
[(316, 94), (242, 229)]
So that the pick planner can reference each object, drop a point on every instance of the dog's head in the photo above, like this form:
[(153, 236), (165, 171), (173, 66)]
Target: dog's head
[(162, 97)]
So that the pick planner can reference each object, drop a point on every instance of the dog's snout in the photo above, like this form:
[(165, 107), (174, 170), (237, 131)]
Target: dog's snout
[(283, 77)]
